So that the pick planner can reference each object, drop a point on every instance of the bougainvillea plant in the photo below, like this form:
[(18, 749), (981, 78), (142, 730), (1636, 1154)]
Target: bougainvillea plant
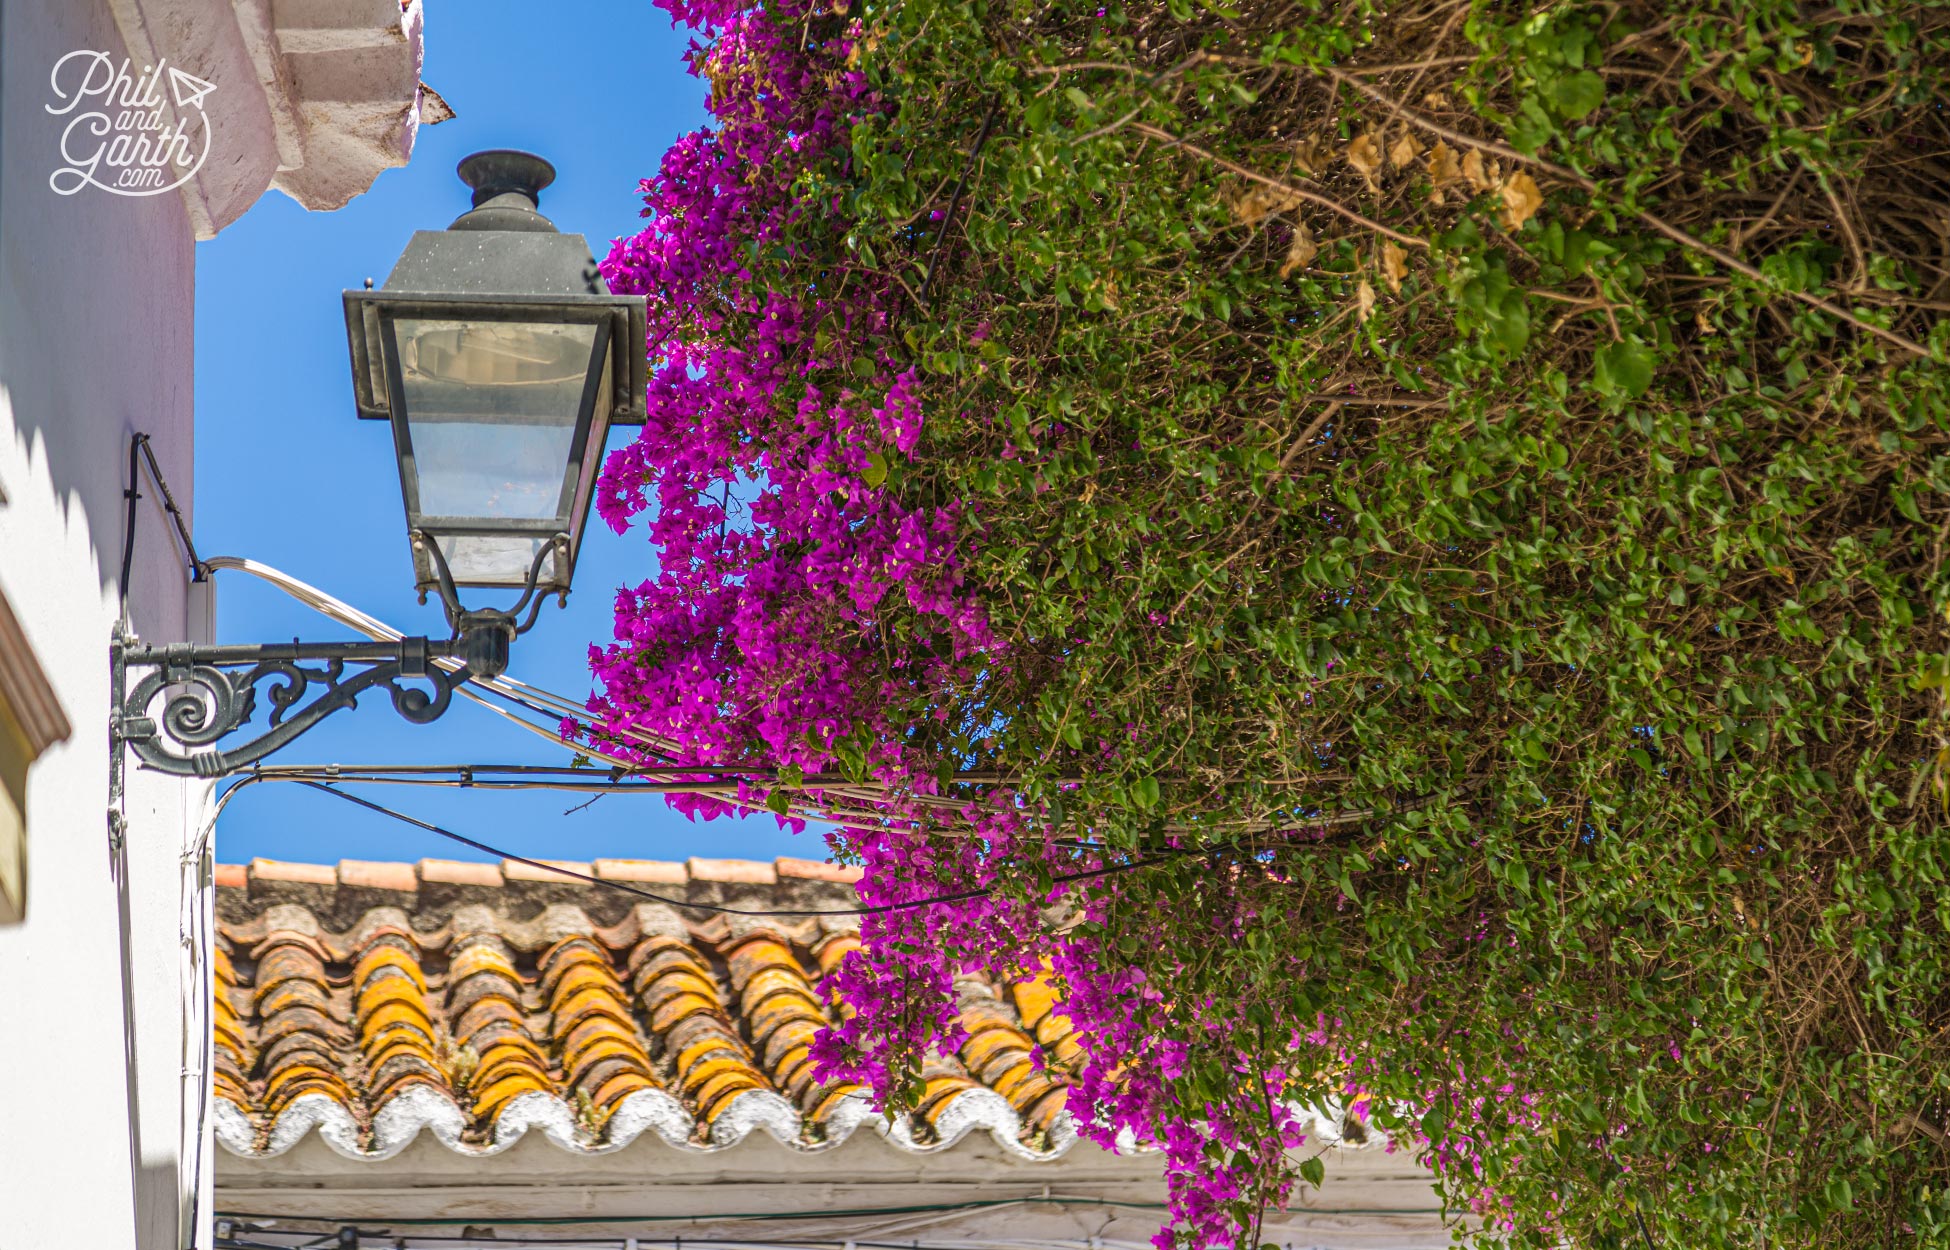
[(1399, 548)]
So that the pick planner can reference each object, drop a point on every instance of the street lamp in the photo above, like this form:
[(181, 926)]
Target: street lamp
[(501, 359)]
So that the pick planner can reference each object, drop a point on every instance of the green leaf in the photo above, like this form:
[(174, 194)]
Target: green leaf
[(876, 471), (1313, 1171), (1577, 95), (1623, 368)]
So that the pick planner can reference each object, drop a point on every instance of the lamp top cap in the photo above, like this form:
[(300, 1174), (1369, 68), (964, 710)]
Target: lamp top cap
[(504, 169), (507, 187)]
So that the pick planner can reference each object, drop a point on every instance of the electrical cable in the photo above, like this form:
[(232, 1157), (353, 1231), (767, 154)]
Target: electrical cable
[(714, 1243), (139, 452), (196, 922), (839, 801), (717, 908), (870, 1241), (132, 492), (198, 570), (530, 698), (980, 1204)]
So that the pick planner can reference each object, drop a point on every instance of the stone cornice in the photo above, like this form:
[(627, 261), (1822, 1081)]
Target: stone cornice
[(314, 97)]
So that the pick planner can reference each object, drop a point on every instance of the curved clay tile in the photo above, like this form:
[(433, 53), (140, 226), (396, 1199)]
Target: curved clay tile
[(1006, 1059), (298, 1029), (687, 1012), (488, 1024), (274, 938), (595, 1036), (941, 1085), (783, 1013), (231, 1052), (455, 1014), (394, 1022), (1037, 1002), (402, 954), (835, 948)]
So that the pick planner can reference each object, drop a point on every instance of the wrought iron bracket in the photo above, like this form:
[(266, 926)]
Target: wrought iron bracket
[(210, 692)]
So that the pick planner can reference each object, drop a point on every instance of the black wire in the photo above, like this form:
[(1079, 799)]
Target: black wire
[(784, 913), (605, 1241), (131, 494), (198, 570), (809, 1243), (592, 775), (928, 1208), (139, 449)]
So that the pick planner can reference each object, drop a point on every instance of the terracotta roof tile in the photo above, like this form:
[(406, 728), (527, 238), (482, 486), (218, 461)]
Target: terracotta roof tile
[(371, 876), (304, 874), (733, 871), (645, 871), (515, 870), (459, 872), (814, 870), (507, 981)]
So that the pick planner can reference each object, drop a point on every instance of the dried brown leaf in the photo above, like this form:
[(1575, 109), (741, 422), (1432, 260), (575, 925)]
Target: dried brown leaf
[(1394, 267), (1365, 155), (1249, 206), (1364, 299), (1472, 169), (1444, 169), (1301, 251), (1311, 154), (1521, 200), (1406, 149), (1253, 203)]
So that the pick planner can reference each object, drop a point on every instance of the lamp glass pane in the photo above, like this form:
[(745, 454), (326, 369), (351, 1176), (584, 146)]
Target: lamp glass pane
[(491, 409), (494, 559)]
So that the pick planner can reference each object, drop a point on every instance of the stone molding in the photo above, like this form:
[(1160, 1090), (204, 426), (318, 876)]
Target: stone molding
[(314, 97)]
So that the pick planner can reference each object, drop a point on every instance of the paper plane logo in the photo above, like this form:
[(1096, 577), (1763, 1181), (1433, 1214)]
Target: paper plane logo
[(188, 89)]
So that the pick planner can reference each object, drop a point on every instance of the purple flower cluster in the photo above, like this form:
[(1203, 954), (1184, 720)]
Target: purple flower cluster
[(802, 616), (772, 423)]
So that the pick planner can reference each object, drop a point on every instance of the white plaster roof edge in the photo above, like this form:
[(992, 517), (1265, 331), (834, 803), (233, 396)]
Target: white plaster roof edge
[(422, 1108)]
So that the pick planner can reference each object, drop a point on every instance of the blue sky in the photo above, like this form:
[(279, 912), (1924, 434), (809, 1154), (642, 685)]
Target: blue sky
[(286, 473)]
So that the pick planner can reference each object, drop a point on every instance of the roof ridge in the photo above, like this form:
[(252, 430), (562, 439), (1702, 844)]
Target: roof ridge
[(407, 877)]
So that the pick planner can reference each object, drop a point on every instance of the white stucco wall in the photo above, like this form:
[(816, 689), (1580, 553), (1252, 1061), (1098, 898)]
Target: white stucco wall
[(95, 306), (96, 303)]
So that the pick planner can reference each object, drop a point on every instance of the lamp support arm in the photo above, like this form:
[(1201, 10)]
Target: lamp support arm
[(210, 692)]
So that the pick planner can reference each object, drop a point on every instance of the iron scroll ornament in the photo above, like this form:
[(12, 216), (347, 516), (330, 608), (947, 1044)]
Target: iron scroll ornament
[(210, 692)]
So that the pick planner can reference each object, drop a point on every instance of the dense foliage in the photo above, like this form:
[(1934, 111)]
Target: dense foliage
[(1441, 509)]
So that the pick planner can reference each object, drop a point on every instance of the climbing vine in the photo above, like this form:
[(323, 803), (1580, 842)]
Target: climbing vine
[(1440, 507)]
